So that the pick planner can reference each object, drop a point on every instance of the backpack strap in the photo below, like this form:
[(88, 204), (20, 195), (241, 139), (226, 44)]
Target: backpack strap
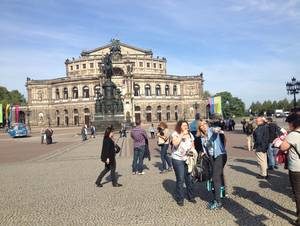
[(294, 146)]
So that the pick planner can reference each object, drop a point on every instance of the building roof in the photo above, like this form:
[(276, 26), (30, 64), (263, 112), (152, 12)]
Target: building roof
[(145, 51)]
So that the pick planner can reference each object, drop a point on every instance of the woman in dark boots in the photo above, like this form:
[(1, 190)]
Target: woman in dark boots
[(108, 156)]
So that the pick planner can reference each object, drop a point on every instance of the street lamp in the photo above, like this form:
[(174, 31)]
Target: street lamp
[(293, 88)]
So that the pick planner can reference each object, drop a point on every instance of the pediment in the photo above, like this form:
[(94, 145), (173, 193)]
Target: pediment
[(125, 49)]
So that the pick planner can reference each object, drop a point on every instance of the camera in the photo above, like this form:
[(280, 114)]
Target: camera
[(123, 133), (160, 131)]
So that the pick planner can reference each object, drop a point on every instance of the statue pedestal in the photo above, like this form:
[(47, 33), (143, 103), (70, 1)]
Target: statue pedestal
[(103, 121)]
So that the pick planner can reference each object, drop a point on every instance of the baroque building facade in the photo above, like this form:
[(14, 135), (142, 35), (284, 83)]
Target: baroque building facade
[(148, 92)]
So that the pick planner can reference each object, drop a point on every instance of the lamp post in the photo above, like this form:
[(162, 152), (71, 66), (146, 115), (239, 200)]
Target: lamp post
[(293, 88)]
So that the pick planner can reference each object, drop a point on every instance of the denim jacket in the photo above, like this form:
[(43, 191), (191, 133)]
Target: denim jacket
[(212, 144)]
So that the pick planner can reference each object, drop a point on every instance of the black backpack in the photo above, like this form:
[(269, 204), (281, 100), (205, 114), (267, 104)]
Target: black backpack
[(203, 170), (249, 128)]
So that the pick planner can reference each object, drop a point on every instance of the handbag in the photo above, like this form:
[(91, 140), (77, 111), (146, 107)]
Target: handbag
[(117, 149)]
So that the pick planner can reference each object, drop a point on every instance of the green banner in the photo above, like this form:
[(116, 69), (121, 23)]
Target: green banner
[(1, 114)]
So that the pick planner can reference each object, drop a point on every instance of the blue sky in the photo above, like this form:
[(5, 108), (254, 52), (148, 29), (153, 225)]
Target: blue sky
[(248, 47)]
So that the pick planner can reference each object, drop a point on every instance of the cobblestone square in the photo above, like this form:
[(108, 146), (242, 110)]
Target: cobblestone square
[(56, 187)]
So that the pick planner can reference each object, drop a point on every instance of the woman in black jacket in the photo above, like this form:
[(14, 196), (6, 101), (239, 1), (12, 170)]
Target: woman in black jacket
[(108, 156)]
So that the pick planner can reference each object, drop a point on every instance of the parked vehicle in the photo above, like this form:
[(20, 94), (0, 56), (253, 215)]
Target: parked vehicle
[(19, 130), (279, 113), (286, 113)]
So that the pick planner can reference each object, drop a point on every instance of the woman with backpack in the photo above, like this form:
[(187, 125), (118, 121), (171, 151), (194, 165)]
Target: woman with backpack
[(213, 142), (108, 156), (291, 144)]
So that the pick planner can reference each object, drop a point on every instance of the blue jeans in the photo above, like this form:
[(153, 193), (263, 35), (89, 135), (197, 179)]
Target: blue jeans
[(164, 157), (272, 152), (138, 157), (182, 176)]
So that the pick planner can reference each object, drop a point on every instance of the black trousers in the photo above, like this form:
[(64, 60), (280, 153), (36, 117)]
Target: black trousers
[(108, 167), (295, 183), (218, 175)]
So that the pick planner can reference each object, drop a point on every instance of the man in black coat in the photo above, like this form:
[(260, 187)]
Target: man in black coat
[(261, 144)]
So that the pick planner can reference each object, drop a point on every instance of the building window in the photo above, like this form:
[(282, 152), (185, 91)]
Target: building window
[(71, 68), (168, 113), (86, 92), (154, 65), (77, 66), (66, 93), (175, 90), (75, 93), (167, 90), (91, 65), (176, 113), (136, 90), (148, 114), (157, 90), (57, 93), (133, 64), (160, 66), (158, 112), (137, 108), (141, 64), (84, 66), (148, 64), (97, 89), (147, 90)]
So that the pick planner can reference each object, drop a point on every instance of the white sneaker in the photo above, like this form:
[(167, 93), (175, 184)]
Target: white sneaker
[(142, 173), (133, 173)]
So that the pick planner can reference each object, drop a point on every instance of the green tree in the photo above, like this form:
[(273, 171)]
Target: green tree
[(206, 94), (232, 106), (14, 97)]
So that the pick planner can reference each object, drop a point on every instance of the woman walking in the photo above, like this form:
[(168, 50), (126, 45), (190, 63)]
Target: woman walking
[(183, 142), (213, 142), (292, 145), (108, 156), (163, 142)]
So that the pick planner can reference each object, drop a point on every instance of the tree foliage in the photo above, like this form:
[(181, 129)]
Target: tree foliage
[(11, 97), (269, 107), (231, 106)]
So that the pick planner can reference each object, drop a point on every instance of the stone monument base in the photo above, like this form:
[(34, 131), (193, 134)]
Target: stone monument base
[(103, 121)]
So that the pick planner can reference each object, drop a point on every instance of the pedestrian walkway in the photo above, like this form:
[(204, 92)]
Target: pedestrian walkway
[(58, 189)]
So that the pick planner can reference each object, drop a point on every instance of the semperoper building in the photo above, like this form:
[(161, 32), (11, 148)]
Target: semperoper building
[(148, 91)]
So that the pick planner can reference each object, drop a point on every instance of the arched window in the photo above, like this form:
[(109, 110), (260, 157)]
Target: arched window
[(157, 90), (57, 93), (86, 111), (147, 90), (136, 90), (97, 89), (137, 113), (168, 113), (167, 90), (66, 95), (76, 117), (158, 112), (66, 117), (176, 113), (148, 114), (86, 92), (75, 93), (175, 90)]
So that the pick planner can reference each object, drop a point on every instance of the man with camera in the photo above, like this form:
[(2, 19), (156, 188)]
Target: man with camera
[(164, 141)]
